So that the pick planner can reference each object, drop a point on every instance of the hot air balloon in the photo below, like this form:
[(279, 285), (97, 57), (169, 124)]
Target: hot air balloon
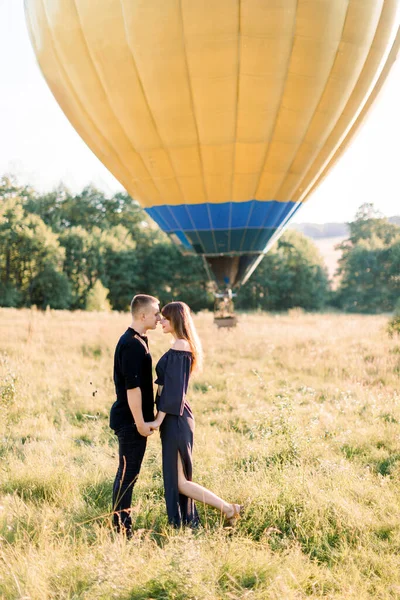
[(219, 117)]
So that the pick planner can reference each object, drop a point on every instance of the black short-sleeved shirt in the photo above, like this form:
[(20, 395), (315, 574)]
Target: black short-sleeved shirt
[(132, 368)]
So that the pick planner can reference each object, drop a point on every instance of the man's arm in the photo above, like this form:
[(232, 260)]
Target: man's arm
[(135, 404)]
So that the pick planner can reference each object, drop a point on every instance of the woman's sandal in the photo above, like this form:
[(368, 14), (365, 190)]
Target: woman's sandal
[(231, 521)]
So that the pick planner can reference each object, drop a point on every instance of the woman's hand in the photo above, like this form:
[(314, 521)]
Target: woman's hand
[(157, 421), (153, 425)]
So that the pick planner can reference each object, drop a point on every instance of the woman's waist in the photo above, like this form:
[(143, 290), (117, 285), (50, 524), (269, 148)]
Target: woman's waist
[(186, 411)]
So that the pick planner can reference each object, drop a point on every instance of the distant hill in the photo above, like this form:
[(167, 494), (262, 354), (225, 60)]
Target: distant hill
[(395, 220), (329, 230), (322, 230)]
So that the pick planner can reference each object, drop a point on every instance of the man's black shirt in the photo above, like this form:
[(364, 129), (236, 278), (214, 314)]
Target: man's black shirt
[(132, 368)]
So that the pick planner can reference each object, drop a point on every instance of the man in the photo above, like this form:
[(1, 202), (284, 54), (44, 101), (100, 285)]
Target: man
[(134, 405)]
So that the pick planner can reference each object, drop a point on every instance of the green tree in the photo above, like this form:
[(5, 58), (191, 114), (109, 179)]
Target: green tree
[(10, 296), (85, 210), (292, 274), (368, 224), (27, 246), (83, 263), (369, 268), (50, 207), (89, 209), (10, 188), (121, 209), (97, 298), (51, 288), (121, 267), (168, 275)]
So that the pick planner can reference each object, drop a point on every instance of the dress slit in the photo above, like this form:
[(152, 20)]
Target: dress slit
[(177, 439)]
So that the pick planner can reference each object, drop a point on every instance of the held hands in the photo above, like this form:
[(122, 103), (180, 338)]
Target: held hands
[(149, 427), (153, 425), (157, 421), (144, 429)]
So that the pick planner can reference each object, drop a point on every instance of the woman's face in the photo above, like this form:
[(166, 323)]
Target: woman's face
[(166, 325)]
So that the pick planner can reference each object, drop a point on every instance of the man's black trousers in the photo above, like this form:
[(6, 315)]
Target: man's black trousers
[(132, 446)]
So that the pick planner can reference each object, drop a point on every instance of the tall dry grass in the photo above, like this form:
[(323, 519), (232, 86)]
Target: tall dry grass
[(297, 416)]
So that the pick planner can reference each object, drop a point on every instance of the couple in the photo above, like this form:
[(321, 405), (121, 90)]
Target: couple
[(132, 414)]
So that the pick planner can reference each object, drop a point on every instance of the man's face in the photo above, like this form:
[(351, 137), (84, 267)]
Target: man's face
[(151, 316)]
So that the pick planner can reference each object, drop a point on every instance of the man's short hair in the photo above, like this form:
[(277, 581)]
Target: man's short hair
[(140, 302)]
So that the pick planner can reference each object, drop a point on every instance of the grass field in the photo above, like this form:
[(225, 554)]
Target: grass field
[(297, 416)]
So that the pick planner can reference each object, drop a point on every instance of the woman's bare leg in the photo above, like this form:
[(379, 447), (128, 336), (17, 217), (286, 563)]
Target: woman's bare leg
[(200, 493)]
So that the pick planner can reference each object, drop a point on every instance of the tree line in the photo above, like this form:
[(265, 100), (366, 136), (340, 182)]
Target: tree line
[(89, 250), (369, 267)]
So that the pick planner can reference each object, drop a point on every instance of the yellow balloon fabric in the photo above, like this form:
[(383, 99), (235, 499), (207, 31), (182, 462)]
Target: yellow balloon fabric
[(221, 116)]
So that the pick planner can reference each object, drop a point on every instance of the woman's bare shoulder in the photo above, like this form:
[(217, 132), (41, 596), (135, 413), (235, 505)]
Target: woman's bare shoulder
[(181, 345)]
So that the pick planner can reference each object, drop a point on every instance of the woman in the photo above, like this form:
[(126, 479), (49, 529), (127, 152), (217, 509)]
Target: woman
[(176, 421)]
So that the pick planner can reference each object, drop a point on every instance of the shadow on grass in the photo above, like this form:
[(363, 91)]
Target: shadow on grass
[(98, 495), (247, 580), (148, 512), (35, 490), (287, 522), (382, 466), (385, 466), (163, 589)]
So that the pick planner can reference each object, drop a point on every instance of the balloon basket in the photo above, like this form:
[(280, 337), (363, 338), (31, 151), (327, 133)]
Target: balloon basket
[(225, 321), (224, 312)]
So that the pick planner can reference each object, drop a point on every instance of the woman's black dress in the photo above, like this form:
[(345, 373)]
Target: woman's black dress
[(173, 372)]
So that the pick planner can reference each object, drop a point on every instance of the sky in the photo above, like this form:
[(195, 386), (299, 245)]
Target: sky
[(40, 147)]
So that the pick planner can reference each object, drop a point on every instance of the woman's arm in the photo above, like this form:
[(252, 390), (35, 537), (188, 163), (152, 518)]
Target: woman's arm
[(158, 420)]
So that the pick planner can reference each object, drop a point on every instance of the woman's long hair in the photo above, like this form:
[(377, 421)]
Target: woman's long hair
[(178, 313)]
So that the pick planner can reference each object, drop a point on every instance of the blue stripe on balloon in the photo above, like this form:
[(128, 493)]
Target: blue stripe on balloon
[(220, 214), (225, 227), (240, 217), (181, 215), (226, 215), (200, 216)]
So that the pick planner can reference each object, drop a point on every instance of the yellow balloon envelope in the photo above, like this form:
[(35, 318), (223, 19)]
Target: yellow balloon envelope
[(218, 116)]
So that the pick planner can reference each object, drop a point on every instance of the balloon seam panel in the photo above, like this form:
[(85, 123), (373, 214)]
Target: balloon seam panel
[(267, 149), (237, 103), (89, 54), (192, 101), (341, 138), (108, 100), (74, 94), (338, 151), (322, 93), (300, 142), (163, 146)]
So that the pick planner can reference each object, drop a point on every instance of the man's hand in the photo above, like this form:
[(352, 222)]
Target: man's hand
[(144, 429), (135, 404), (154, 425)]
